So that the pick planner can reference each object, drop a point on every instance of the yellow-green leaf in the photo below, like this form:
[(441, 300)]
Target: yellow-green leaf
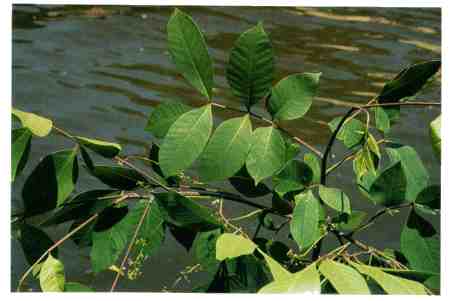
[(51, 277), (38, 125), (231, 245), (344, 278), (103, 148)]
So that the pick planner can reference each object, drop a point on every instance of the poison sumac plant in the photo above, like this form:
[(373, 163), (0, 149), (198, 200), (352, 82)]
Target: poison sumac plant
[(150, 195)]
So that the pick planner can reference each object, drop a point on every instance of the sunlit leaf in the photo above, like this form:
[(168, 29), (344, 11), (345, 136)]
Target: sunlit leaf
[(305, 220), (103, 148), (420, 244), (344, 278), (188, 50), (314, 164), (20, 149), (251, 66), (51, 182), (229, 246), (227, 149), (292, 96), (267, 153), (351, 133), (185, 140), (278, 272), (51, 277), (435, 134), (38, 125), (335, 198), (163, 116)]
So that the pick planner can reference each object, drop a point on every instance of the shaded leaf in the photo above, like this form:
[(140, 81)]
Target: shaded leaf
[(351, 133), (267, 153), (389, 187), (188, 50), (344, 278), (278, 272), (244, 183), (185, 140), (34, 242), (51, 182), (75, 287), (38, 125), (163, 116), (292, 96), (118, 177), (294, 177), (51, 277), (227, 149), (251, 66), (430, 197), (345, 222), (103, 148), (305, 220), (20, 150), (204, 247), (420, 244)]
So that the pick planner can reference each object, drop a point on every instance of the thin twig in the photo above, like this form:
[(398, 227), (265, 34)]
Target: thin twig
[(130, 246)]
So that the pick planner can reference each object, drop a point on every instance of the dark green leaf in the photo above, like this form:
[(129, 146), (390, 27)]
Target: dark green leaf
[(38, 125), (409, 81), (34, 243), (389, 188), (243, 183), (227, 149), (20, 149), (292, 96), (75, 287), (305, 220), (335, 198), (267, 154), (344, 278), (163, 116), (183, 212), (185, 236), (118, 177), (51, 182), (417, 177), (188, 50), (51, 276), (205, 249), (251, 66), (294, 177), (185, 140), (420, 244), (345, 222), (103, 148), (430, 197)]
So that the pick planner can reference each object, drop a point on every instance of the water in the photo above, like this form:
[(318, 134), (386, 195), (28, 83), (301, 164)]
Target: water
[(100, 72)]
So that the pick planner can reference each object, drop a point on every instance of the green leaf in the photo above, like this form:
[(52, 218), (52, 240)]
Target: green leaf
[(75, 287), (382, 120), (417, 177), (251, 66), (435, 134), (430, 197), (204, 248), (351, 222), (20, 149), (305, 220), (409, 81), (389, 188), (344, 279), (420, 244), (314, 164), (278, 272), (244, 183), (34, 243), (82, 206), (335, 198), (294, 177), (188, 50), (118, 177), (351, 133), (292, 96), (229, 246), (227, 149), (185, 140), (267, 153), (103, 148), (391, 284), (305, 281), (38, 125), (51, 182), (183, 212), (109, 244), (51, 277), (163, 116)]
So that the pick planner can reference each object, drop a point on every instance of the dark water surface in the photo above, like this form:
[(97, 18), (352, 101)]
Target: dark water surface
[(100, 72)]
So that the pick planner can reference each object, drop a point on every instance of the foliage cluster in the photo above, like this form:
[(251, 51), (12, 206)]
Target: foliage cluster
[(150, 195)]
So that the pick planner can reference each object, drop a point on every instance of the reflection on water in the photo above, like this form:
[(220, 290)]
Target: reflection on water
[(99, 71)]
